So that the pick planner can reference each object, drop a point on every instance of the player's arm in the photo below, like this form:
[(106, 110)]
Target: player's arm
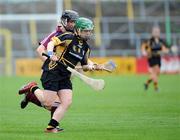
[(43, 46), (86, 63), (95, 65), (41, 49), (89, 65), (143, 48), (164, 47), (50, 47), (62, 40)]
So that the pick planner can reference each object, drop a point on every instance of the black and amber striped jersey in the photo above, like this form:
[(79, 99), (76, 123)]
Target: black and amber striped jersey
[(59, 44), (71, 50), (153, 46)]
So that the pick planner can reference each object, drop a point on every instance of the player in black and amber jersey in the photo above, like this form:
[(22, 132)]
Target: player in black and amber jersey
[(152, 49), (66, 24), (55, 77), (77, 50)]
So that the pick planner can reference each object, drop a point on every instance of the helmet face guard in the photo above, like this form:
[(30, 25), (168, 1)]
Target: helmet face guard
[(68, 15), (84, 27)]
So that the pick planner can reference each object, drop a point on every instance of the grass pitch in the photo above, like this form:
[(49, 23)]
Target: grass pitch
[(123, 111)]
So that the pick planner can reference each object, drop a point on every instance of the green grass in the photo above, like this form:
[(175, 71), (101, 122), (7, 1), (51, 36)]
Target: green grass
[(123, 111)]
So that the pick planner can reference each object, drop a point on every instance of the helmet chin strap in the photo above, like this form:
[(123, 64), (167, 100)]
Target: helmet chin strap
[(64, 23)]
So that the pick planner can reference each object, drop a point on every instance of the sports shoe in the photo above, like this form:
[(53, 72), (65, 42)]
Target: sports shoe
[(24, 102), (51, 129), (27, 87), (59, 129)]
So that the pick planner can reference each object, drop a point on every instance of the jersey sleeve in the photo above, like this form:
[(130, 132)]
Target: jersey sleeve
[(46, 40), (64, 38)]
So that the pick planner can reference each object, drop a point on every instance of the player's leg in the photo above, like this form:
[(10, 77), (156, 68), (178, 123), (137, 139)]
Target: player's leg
[(149, 80), (34, 94), (54, 107), (65, 96), (157, 62), (50, 97), (44, 98), (156, 74), (47, 98), (56, 86), (29, 95), (50, 101), (66, 101)]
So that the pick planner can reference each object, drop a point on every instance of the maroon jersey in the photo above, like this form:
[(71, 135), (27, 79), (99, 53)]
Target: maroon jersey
[(47, 39)]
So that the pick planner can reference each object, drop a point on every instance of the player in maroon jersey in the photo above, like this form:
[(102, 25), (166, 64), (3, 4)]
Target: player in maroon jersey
[(67, 23)]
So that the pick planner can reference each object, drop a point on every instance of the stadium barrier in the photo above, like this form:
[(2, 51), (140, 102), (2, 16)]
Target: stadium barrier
[(141, 65), (28, 67), (125, 65), (170, 65)]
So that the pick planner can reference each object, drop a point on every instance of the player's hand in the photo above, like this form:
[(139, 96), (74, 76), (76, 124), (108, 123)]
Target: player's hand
[(88, 67), (54, 58), (144, 53), (99, 67)]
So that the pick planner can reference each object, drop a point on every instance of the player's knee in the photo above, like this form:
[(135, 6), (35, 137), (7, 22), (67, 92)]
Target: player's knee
[(153, 76), (47, 105)]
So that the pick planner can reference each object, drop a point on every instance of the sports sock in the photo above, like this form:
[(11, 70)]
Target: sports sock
[(148, 81), (52, 124), (33, 89), (155, 85), (32, 97)]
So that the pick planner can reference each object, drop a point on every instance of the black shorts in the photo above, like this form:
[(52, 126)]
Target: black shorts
[(51, 83), (154, 61)]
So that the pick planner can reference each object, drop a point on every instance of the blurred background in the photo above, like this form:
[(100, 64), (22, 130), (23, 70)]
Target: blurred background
[(120, 28)]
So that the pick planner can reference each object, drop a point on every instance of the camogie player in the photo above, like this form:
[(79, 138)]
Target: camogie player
[(55, 77), (68, 19), (152, 49)]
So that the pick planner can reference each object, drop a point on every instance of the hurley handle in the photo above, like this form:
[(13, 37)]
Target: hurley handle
[(44, 54)]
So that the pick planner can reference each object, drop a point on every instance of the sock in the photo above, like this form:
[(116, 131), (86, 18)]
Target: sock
[(33, 89), (32, 97), (155, 85), (53, 108), (52, 124), (148, 81)]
